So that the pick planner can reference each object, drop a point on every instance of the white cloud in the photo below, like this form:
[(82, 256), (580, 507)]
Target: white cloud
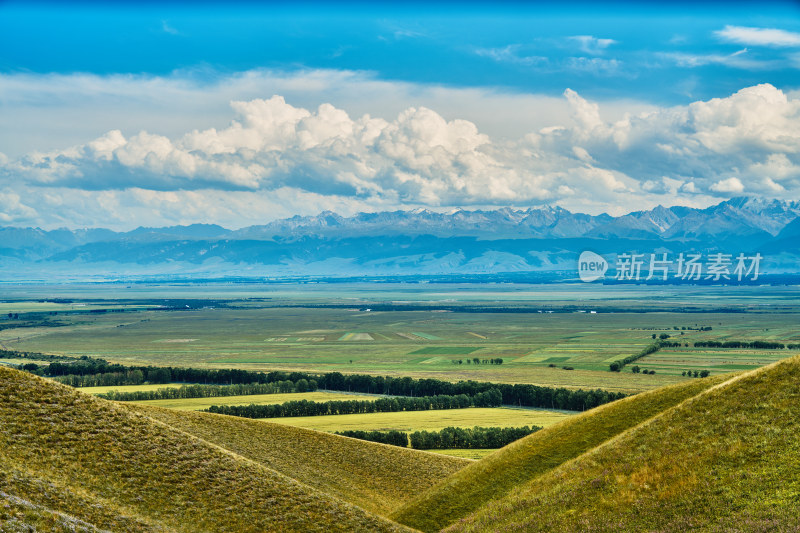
[(593, 65), (418, 157), (592, 45), (12, 208), (778, 169), (759, 36), (165, 26), (585, 113), (773, 186), (276, 159), (730, 185), (512, 54), (740, 59), (44, 112)]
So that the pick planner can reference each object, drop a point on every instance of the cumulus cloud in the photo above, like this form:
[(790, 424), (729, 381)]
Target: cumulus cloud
[(730, 185), (276, 159), (759, 36), (50, 111), (751, 134), (417, 157), (12, 208)]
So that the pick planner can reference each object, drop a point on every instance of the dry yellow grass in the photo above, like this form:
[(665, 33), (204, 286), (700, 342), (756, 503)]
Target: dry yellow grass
[(116, 469), (374, 476)]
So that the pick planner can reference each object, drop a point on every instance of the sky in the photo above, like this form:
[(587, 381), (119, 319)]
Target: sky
[(160, 113)]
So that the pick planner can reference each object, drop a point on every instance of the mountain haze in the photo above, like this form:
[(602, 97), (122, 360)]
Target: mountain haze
[(417, 242)]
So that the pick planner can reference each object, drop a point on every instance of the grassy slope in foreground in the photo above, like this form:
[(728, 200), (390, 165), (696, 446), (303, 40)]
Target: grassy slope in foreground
[(377, 477), (725, 460), (144, 475), (496, 474)]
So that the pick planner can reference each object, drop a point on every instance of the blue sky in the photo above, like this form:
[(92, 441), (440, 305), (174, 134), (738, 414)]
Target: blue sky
[(667, 53), (129, 110)]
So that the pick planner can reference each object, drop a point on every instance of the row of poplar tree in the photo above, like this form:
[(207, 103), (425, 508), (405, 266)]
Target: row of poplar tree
[(491, 398), (447, 438)]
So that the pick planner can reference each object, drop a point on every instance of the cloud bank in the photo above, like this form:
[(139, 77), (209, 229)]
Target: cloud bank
[(759, 36), (275, 159)]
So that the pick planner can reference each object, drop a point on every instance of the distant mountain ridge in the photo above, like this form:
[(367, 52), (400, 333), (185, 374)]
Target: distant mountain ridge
[(415, 242)]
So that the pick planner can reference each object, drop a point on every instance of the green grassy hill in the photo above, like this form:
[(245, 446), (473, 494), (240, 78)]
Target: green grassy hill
[(727, 459), (498, 473), (69, 457), (374, 476)]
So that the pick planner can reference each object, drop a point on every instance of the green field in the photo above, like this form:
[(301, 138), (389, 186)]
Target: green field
[(428, 420), (422, 331), (446, 350), (545, 335), (130, 388), (477, 453), (196, 404), (712, 454)]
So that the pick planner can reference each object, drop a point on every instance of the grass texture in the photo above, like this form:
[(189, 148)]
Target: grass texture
[(494, 476), (103, 464), (374, 476), (727, 459)]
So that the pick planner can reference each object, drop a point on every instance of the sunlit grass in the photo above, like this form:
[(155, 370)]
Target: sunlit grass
[(374, 476), (434, 420), (196, 404), (103, 463), (467, 490), (725, 460), (472, 453)]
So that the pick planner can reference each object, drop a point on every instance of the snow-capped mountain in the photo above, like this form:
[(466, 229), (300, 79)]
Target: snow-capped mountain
[(412, 242)]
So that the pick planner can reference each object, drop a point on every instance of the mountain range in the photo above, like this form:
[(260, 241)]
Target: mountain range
[(417, 242)]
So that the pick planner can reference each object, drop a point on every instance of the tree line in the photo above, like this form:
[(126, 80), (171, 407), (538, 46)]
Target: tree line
[(491, 398), (755, 345), (212, 391), (617, 366), (447, 438), (95, 371), (395, 438)]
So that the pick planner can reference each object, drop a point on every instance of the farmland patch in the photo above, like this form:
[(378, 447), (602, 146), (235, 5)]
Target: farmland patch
[(446, 350)]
